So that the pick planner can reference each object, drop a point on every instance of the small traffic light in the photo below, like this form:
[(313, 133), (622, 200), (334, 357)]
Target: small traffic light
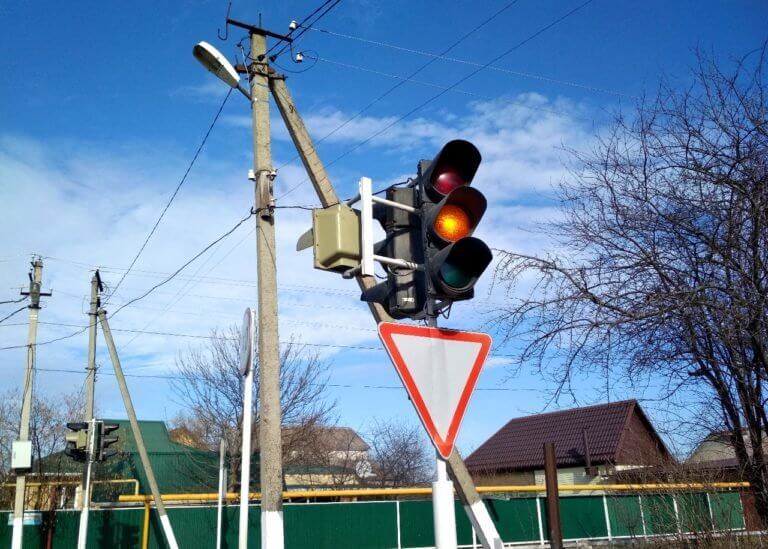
[(77, 441), (451, 210), (105, 440)]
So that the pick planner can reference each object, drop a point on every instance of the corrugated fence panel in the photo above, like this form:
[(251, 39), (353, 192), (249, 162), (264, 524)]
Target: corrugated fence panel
[(625, 516), (727, 512), (659, 512), (515, 518), (416, 527), (693, 513), (370, 525), (583, 517)]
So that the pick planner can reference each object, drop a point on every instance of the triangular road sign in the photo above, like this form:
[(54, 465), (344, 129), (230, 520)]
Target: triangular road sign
[(439, 369)]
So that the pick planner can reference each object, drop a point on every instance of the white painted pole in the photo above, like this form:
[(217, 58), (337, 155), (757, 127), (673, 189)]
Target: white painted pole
[(366, 226), (245, 456), (82, 535), (222, 490), (444, 510)]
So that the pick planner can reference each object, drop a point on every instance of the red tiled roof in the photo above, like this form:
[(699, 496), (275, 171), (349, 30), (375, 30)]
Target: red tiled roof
[(519, 444)]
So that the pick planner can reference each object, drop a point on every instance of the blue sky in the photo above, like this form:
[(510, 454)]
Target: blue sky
[(102, 107)]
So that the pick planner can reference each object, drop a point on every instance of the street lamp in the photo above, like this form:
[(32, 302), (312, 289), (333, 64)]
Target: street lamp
[(215, 62)]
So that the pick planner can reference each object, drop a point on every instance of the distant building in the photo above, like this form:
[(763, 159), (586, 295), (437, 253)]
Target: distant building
[(615, 436), (325, 457)]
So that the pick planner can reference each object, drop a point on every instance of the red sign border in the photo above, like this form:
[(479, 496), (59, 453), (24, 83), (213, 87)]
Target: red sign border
[(388, 329)]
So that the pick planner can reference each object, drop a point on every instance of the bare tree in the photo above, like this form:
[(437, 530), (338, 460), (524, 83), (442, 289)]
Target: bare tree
[(211, 390), (666, 230), (400, 455)]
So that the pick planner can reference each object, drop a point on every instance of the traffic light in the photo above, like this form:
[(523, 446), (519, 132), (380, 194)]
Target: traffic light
[(77, 441), (106, 440), (403, 294), (450, 212)]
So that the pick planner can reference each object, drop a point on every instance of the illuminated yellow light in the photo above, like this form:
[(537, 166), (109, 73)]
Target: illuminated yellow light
[(452, 223)]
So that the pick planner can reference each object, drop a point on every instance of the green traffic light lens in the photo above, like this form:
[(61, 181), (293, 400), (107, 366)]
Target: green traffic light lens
[(454, 276)]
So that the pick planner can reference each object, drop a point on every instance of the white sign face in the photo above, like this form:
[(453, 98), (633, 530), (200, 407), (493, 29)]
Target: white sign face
[(246, 342), (439, 369)]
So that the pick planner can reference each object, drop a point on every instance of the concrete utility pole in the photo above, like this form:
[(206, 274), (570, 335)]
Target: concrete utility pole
[(90, 385), (473, 503), (164, 521), (90, 380), (34, 293), (270, 445)]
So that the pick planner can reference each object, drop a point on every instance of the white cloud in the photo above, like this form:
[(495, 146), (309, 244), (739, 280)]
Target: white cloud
[(86, 204)]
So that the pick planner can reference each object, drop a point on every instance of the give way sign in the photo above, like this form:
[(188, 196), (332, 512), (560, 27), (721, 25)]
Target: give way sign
[(439, 369)]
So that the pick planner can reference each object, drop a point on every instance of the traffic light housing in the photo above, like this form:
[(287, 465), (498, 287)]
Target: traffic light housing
[(454, 260), (105, 440), (77, 441), (403, 294)]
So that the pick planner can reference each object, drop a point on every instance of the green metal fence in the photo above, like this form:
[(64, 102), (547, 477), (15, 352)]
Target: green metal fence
[(402, 524)]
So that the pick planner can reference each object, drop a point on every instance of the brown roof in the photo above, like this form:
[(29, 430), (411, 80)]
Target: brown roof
[(519, 444)]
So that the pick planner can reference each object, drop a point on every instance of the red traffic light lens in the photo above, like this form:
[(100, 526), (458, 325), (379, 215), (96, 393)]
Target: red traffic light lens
[(452, 223), (446, 179)]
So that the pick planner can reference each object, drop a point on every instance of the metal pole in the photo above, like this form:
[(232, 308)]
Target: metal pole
[(222, 489), (270, 446), (245, 455), (465, 487), (164, 521), (82, 536), (26, 403), (443, 509), (553, 497)]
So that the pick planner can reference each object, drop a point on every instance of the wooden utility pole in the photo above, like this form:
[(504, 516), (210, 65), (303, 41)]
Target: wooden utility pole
[(270, 445), (473, 503), (24, 446), (137, 436)]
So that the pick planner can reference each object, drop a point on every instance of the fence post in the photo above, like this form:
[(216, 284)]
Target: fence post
[(607, 517), (553, 497), (397, 514), (541, 524), (642, 515)]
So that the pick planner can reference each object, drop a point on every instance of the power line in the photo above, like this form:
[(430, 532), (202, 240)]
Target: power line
[(17, 311), (396, 86), (173, 196), (333, 385), (22, 298), (446, 90), (476, 64), (145, 294)]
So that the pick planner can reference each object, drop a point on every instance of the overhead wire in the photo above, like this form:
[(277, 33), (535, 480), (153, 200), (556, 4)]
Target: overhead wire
[(332, 385), (397, 86), (146, 293), (444, 91), (542, 78), (173, 195), (22, 298), (17, 311)]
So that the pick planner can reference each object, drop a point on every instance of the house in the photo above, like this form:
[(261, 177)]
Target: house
[(716, 451), (592, 444), (324, 457)]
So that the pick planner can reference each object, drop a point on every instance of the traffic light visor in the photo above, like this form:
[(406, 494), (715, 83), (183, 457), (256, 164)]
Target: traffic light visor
[(460, 265), (453, 167)]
